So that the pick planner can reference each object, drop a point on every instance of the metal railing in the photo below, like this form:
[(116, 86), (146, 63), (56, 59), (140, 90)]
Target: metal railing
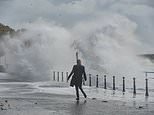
[(62, 77)]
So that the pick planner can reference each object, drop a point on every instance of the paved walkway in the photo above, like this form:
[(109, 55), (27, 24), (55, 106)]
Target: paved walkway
[(51, 104), (29, 99)]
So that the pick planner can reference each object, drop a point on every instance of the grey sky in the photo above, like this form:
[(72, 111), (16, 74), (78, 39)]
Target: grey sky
[(70, 12)]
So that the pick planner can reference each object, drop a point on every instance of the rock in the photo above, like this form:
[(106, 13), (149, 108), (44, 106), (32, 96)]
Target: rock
[(1, 104), (105, 101), (140, 107), (3, 108), (6, 101)]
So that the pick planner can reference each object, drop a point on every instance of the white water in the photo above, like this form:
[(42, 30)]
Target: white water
[(104, 48)]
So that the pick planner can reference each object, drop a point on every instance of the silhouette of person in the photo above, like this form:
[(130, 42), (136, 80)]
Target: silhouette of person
[(78, 71)]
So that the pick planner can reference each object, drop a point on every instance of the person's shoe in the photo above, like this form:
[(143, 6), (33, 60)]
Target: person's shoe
[(77, 98), (85, 96)]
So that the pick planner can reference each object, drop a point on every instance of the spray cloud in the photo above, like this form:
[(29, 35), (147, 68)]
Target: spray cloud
[(107, 34)]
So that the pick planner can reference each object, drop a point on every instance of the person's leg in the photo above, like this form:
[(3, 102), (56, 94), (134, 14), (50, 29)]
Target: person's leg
[(77, 92), (80, 87)]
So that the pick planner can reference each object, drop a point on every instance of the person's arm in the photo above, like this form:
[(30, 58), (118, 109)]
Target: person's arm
[(70, 74), (84, 73)]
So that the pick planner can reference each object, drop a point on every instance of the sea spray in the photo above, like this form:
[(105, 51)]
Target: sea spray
[(109, 45), (42, 47), (106, 45)]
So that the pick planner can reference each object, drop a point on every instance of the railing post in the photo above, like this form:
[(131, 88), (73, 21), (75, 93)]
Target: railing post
[(90, 80), (54, 75), (62, 76), (134, 86), (58, 76), (66, 76), (105, 82), (97, 81), (113, 82), (123, 84), (146, 93)]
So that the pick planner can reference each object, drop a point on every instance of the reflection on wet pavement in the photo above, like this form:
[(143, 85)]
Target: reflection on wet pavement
[(78, 108)]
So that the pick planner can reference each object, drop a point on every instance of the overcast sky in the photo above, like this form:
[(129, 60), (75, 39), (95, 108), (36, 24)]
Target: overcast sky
[(68, 13)]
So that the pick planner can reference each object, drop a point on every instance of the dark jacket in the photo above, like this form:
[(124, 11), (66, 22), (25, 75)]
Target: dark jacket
[(78, 71)]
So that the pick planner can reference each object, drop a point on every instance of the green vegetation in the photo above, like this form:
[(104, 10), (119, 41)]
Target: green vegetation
[(5, 30)]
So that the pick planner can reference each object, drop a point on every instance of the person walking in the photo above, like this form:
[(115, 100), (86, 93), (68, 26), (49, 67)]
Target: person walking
[(77, 74)]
